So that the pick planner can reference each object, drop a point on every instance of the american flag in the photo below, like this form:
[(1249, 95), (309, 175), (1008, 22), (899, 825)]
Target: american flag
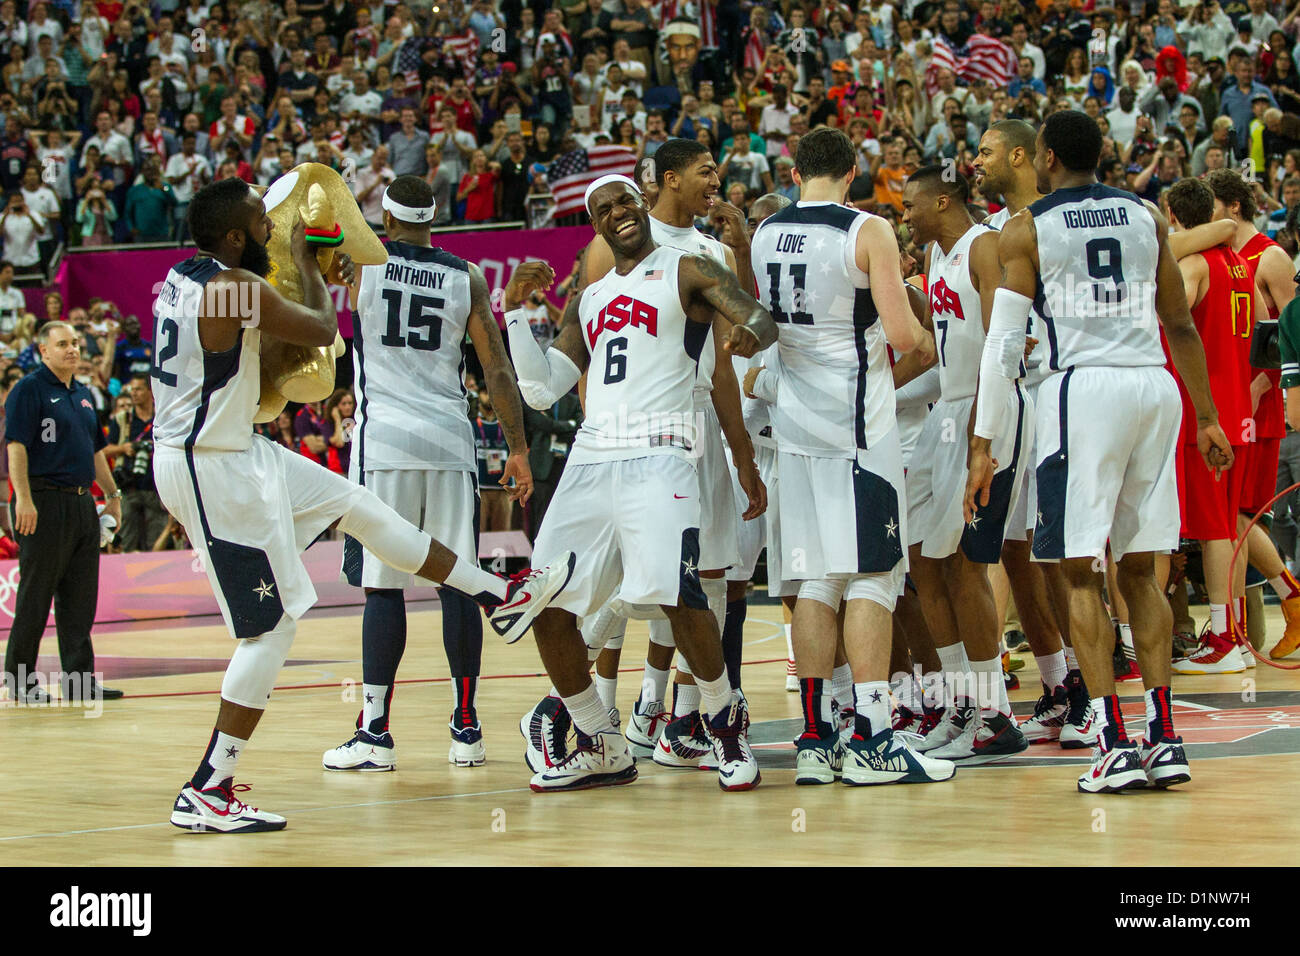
[(572, 173), (986, 58), (462, 49), (653, 274)]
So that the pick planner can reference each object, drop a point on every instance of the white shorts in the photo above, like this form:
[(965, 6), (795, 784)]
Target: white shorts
[(752, 535), (719, 541), (1106, 471), (634, 526), (843, 517), (440, 502), (936, 481), (250, 515), (1023, 515)]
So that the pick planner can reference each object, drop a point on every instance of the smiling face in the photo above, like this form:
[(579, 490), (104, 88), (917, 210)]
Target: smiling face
[(697, 184), (621, 217)]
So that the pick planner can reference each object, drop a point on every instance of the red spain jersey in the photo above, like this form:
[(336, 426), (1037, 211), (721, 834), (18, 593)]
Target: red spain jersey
[(1270, 419)]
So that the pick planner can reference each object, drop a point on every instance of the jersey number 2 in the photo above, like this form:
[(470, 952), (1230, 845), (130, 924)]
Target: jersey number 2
[(417, 319), (169, 332)]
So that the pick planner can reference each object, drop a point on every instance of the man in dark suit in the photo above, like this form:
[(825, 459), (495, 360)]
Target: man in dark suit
[(550, 435)]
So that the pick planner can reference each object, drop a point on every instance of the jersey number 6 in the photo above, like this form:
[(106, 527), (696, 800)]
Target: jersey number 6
[(417, 318)]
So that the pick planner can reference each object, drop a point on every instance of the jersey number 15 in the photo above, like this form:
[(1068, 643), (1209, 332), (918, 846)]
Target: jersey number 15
[(423, 326)]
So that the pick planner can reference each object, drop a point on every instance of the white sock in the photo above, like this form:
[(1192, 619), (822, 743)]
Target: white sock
[(1071, 662), (715, 695), (607, 688), (1052, 670), (988, 678), (653, 685), (1099, 718), (872, 702), (842, 685), (1281, 586), (1218, 618), (1126, 639), (372, 706), (470, 579), (789, 644), (715, 589), (686, 699), (589, 713), (225, 754), (956, 671)]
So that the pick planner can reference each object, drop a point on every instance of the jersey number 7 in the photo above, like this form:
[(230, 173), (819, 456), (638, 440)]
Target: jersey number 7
[(423, 326)]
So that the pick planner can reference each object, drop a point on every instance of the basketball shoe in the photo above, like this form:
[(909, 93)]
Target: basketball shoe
[(984, 735), (734, 760), (219, 810), (1164, 762), (599, 761), (1016, 640), (1243, 648), (1077, 732), (817, 760), (1218, 654), (684, 743), (844, 718), (528, 594), (1114, 770), (1291, 637), (952, 721), (647, 722), (365, 752), (546, 734), (907, 721), (887, 757), (1049, 717), (467, 748)]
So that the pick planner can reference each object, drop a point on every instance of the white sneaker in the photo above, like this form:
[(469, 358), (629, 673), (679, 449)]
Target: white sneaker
[(546, 729), (219, 810), (684, 743), (817, 761), (647, 722), (364, 752), (1050, 713), (987, 736), (1165, 762), (600, 761), (528, 594), (467, 749), (887, 757), (950, 726), (1113, 771), (843, 719), (737, 767), (1216, 655), (1247, 657)]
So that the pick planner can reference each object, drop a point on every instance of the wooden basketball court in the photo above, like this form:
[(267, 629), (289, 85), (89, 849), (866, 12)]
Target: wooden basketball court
[(93, 792)]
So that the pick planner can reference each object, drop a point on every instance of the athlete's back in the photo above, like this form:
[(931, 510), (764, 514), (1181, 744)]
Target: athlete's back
[(1098, 254), (836, 393), (409, 325), (203, 400)]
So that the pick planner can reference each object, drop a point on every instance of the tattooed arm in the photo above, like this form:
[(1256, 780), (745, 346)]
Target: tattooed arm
[(703, 280)]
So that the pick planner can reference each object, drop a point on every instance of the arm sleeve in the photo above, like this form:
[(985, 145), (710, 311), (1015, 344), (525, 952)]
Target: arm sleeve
[(1004, 348), (765, 386), (543, 376)]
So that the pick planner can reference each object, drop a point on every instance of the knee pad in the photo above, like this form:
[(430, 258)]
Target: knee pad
[(255, 665), (605, 628), (828, 591), (682, 666), (661, 633), (385, 533), (882, 588)]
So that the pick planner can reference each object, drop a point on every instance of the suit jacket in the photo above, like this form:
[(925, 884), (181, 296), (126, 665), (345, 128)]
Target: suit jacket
[(541, 426)]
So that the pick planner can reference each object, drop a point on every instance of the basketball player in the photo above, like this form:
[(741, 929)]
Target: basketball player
[(1004, 166), (1107, 421), (250, 504), (950, 553), (1223, 299), (629, 499), (1272, 271), (414, 448), (833, 283)]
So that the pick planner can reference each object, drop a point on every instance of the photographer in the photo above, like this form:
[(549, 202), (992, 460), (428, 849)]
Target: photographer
[(95, 218), (130, 447), (21, 228)]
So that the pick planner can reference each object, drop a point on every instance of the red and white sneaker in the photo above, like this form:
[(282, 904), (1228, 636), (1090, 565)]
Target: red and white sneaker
[(1217, 654), (1130, 671), (1078, 732), (647, 722), (791, 677), (528, 594), (1114, 770), (217, 809), (1049, 717)]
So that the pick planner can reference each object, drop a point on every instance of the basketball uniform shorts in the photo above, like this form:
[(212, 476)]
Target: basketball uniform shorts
[(634, 525), (444, 503), (1106, 462), (843, 517), (754, 536), (1259, 479), (719, 541), (1025, 513), (911, 421), (1209, 505), (936, 481), (250, 514)]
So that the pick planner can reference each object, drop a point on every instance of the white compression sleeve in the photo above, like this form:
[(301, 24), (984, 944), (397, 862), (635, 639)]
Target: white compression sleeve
[(765, 386), (543, 376), (1004, 349)]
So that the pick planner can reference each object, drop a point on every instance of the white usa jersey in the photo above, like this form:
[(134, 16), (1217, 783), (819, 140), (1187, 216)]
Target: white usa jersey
[(957, 315), (835, 392), (202, 400), (1098, 254), (689, 239), (409, 368), (644, 352), (1036, 365)]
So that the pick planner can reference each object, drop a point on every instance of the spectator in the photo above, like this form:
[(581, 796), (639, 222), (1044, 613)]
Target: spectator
[(490, 441), (340, 407), (370, 185), (478, 188), (133, 354), (150, 205), (456, 146), (741, 165), (12, 304), (514, 178), (186, 172), (1235, 101), (95, 218), (41, 198), (438, 177), (130, 446), (313, 431), (21, 227), (406, 146)]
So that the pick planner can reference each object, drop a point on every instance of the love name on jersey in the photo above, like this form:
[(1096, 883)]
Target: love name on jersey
[(791, 242), (1092, 218), (623, 311), (409, 275), (945, 301)]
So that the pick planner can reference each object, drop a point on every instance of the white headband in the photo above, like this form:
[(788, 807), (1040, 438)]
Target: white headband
[(681, 29), (409, 213), (605, 181)]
